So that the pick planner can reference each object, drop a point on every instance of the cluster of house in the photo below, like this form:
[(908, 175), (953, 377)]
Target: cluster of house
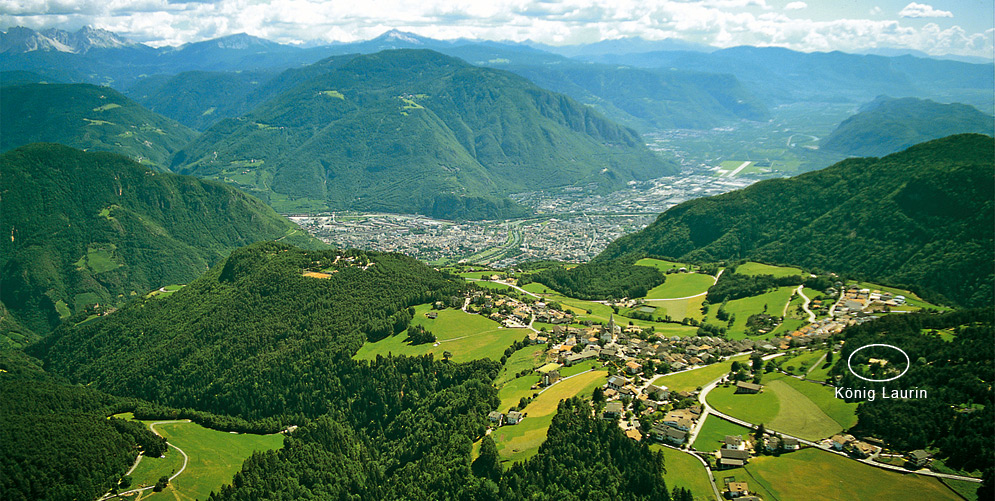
[(849, 444), (856, 304), (676, 425), (499, 419), (513, 313)]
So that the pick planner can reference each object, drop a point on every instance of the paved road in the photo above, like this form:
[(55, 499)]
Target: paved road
[(186, 459), (811, 316), (705, 406)]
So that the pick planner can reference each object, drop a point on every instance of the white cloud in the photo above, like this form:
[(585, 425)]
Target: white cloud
[(875, 10), (923, 10), (722, 23)]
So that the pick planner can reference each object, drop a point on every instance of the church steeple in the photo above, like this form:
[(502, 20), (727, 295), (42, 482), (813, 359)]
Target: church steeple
[(611, 323)]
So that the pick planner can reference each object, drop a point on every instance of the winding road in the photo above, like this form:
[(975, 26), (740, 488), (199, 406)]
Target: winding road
[(186, 459)]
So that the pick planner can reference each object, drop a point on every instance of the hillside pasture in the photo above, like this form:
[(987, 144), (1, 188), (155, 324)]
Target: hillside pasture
[(811, 474), (519, 442), (696, 378), (753, 268), (678, 285), (684, 470), (464, 335)]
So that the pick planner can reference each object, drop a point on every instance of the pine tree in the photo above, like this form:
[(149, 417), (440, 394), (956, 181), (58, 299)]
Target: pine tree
[(487, 465)]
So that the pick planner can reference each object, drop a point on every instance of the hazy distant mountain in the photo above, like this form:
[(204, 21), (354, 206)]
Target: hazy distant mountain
[(625, 45), (416, 131), (922, 218), (784, 76), (84, 228), (887, 125), (88, 117)]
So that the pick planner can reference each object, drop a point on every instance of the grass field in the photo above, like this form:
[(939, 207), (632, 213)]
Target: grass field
[(684, 470), (661, 264), (682, 285), (467, 337), (696, 378), (811, 474), (801, 361), (520, 442), (214, 455), (820, 372), (715, 430), (751, 268), (787, 405), (527, 358), (967, 489), (743, 308), (600, 313)]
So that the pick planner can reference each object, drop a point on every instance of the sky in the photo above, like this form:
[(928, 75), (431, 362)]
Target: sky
[(937, 27)]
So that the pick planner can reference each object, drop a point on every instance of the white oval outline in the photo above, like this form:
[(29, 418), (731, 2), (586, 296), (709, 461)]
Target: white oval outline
[(908, 363)]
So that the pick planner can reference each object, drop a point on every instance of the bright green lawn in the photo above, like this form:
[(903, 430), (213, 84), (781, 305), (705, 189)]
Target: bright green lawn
[(821, 371), (752, 268), (684, 470), (798, 408), (714, 432), (682, 285), (813, 475), (661, 264), (743, 308), (693, 379), (801, 361), (967, 489), (214, 457), (466, 336), (527, 358)]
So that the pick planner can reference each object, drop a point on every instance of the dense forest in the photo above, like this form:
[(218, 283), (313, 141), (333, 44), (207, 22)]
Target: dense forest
[(958, 417), (57, 441), (87, 228), (416, 131), (922, 219), (90, 118), (888, 125), (598, 281)]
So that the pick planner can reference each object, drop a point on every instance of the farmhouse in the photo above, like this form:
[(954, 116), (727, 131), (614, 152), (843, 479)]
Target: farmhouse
[(613, 410), (919, 458), (737, 489), (731, 458), (744, 387), (514, 417), (496, 418), (734, 442), (616, 383)]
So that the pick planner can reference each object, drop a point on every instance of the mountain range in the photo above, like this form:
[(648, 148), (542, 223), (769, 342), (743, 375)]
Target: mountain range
[(416, 131), (90, 118), (923, 218), (887, 125), (91, 228)]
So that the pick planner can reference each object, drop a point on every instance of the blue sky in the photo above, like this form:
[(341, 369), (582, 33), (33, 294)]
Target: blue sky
[(933, 26)]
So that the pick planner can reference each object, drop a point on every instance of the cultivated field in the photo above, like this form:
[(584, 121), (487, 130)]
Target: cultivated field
[(811, 474)]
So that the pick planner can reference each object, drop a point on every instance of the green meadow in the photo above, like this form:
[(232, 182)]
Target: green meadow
[(684, 470), (681, 285), (466, 336), (813, 475), (520, 442), (696, 378), (743, 308), (752, 268), (788, 405), (714, 432), (214, 458)]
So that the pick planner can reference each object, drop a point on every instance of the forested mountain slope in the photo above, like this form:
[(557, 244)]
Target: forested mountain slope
[(90, 118), (923, 218), (85, 228), (416, 131), (888, 125)]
